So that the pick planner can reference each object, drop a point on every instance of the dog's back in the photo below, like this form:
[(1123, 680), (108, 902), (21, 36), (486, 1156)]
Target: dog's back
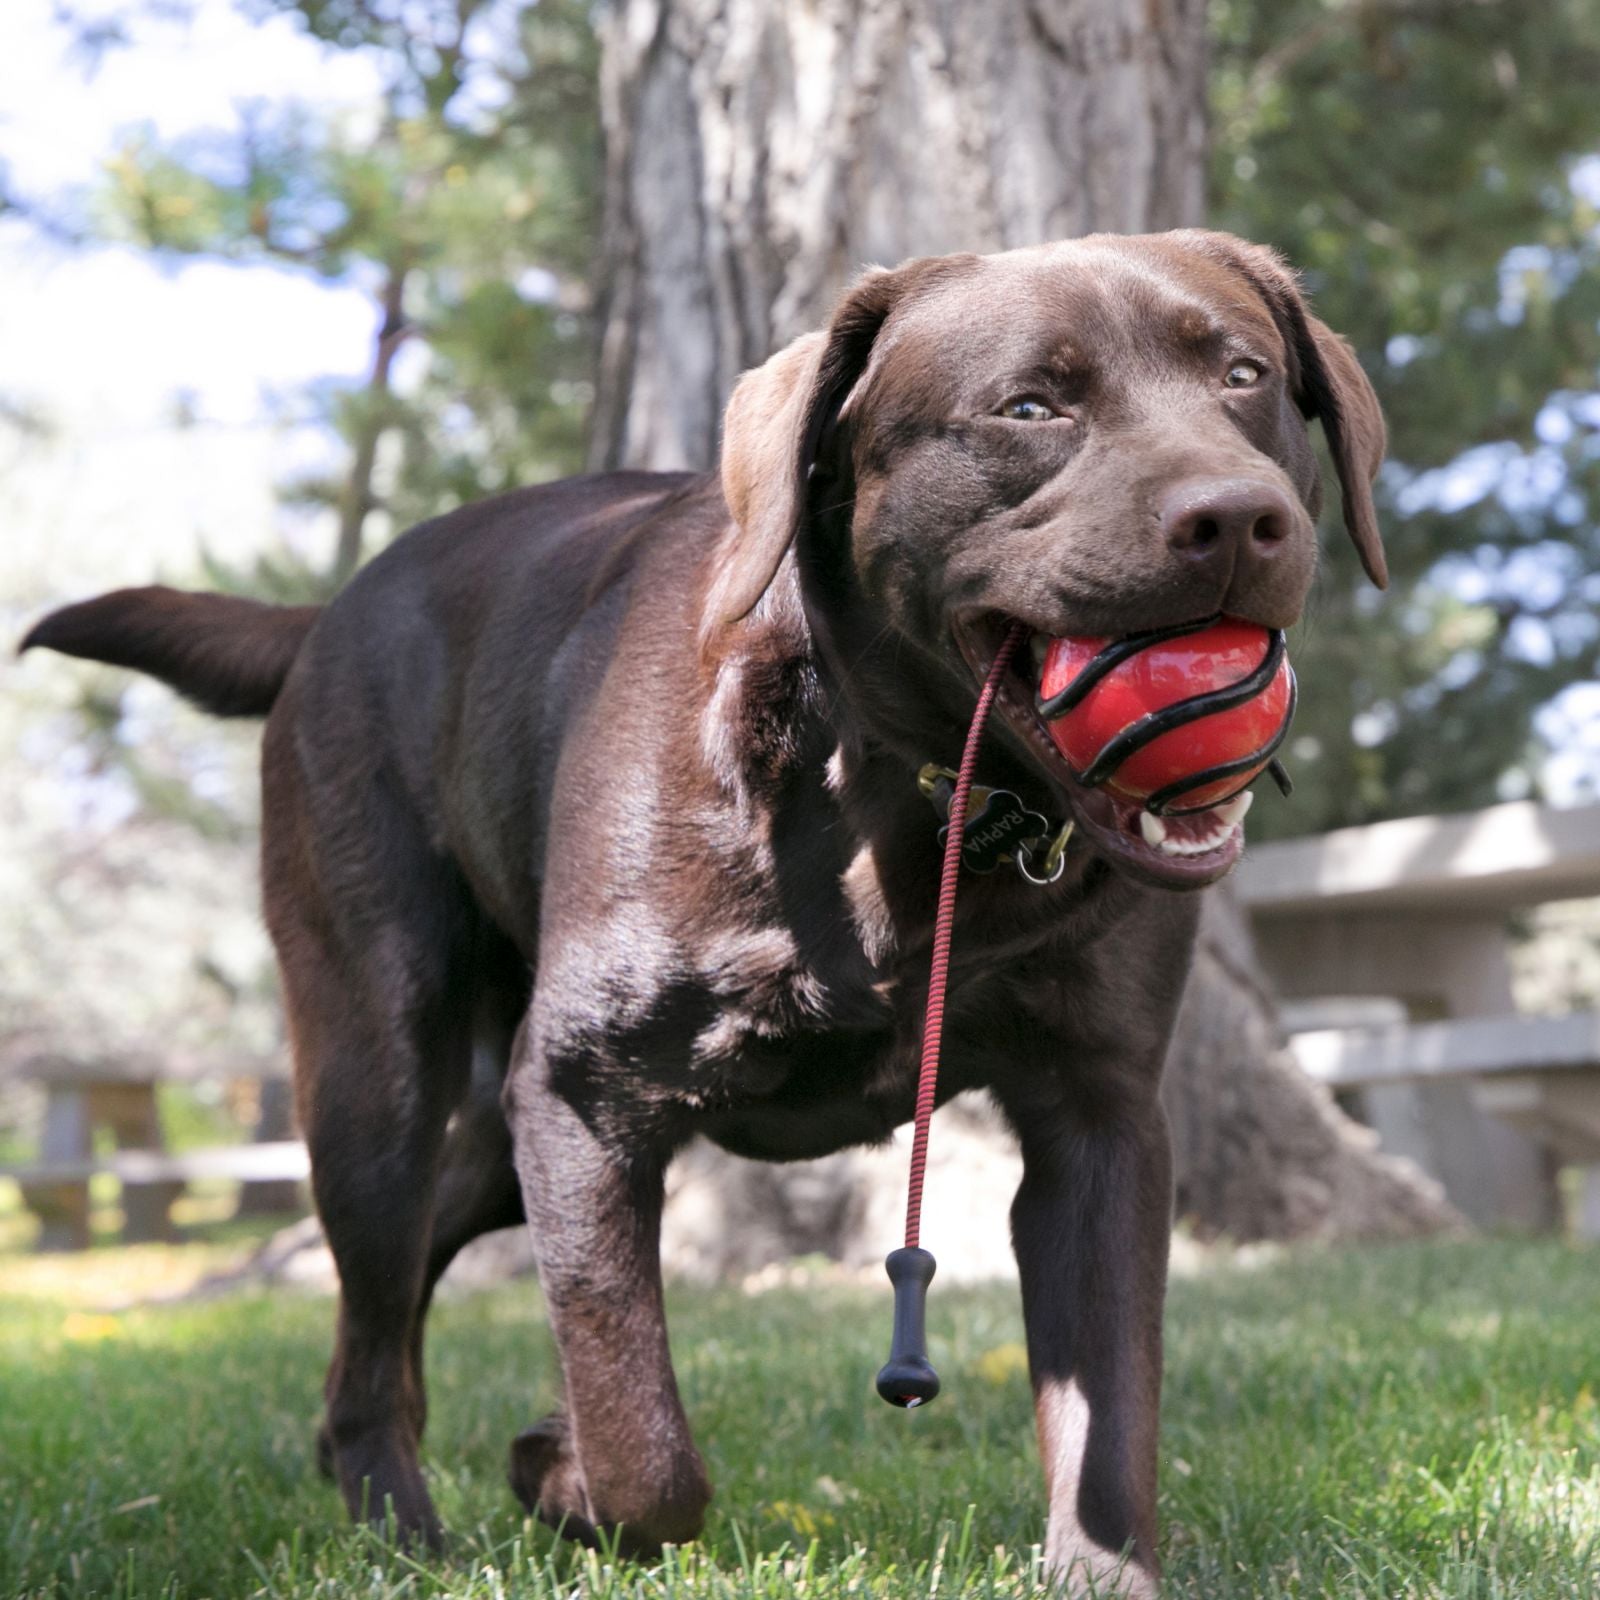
[(427, 702), (551, 545)]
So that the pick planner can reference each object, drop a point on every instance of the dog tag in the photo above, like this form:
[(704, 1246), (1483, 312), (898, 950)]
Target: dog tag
[(1001, 825)]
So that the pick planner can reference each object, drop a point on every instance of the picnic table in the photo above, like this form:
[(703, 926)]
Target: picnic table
[(1418, 913), (84, 1096)]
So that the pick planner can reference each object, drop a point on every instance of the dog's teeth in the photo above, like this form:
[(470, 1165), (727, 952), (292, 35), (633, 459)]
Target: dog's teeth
[(1220, 823), (1233, 812), (1193, 847), (1197, 845), (1153, 829), (1040, 647)]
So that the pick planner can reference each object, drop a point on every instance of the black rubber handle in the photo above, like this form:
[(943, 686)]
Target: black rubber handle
[(906, 1378)]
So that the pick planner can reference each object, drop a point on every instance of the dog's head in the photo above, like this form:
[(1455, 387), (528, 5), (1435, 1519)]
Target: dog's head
[(1093, 438)]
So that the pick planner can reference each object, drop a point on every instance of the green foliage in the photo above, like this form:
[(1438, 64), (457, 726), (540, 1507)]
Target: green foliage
[(1421, 164), (1421, 160), (1408, 1421), (467, 208)]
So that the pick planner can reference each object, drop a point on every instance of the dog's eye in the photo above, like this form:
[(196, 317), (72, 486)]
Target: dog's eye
[(1242, 374), (1028, 408)]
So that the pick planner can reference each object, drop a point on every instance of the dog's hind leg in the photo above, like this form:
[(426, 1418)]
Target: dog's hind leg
[(376, 969), (374, 1122), (477, 1190), (620, 1459)]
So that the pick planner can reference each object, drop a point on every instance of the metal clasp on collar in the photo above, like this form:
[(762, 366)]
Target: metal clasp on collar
[(1055, 859), (999, 829)]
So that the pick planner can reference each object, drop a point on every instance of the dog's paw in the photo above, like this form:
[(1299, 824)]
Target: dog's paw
[(382, 1485), (546, 1478)]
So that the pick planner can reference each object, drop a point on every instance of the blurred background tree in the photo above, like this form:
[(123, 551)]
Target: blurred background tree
[(1434, 170), (464, 205)]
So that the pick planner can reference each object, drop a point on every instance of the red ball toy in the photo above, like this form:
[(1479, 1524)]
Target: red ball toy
[(1127, 726)]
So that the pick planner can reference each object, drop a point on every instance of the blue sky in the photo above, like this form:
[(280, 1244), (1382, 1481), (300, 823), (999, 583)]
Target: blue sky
[(109, 324)]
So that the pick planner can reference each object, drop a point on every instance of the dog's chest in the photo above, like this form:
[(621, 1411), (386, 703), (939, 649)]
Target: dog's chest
[(805, 1043), (773, 994), (788, 1020)]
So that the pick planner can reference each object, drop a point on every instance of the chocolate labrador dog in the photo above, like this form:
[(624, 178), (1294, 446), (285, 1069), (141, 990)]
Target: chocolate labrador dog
[(612, 783)]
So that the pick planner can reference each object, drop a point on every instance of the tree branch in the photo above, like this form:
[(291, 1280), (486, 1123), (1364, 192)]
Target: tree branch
[(356, 498)]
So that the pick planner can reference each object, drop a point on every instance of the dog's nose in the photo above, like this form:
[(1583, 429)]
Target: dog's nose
[(1211, 519)]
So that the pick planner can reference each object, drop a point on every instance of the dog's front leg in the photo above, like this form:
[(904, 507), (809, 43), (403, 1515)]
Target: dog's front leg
[(621, 1457), (1090, 1226)]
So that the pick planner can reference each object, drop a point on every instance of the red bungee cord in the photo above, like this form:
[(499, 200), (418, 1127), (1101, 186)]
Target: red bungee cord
[(907, 1379)]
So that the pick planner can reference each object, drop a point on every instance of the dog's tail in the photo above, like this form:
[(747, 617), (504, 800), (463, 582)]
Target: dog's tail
[(227, 654)]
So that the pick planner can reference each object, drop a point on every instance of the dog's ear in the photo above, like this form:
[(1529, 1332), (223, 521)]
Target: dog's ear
[(1334, 389), (1328, 385), (764, 471), (774, 429)]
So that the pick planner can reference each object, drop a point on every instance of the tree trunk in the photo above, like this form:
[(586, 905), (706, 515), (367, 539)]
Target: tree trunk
[(355, 496), (760, 152)]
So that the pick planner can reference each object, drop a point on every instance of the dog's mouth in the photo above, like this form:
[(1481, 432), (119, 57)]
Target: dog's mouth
[(1175, 852)]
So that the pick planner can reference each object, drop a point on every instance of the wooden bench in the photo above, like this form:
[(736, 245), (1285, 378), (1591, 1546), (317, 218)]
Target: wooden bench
[(119, 1095), (271, 1161), (1484, 1047), (1539, 1074), (1485, 1099)]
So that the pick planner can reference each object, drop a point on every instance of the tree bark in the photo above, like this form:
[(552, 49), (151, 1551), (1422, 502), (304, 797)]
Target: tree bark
[(759, 153)]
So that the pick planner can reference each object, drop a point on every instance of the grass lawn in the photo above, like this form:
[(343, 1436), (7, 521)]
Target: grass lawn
[(1402, 1421)]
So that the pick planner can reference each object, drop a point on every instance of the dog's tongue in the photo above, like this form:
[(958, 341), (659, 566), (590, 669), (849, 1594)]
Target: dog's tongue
[(1150, 682)]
